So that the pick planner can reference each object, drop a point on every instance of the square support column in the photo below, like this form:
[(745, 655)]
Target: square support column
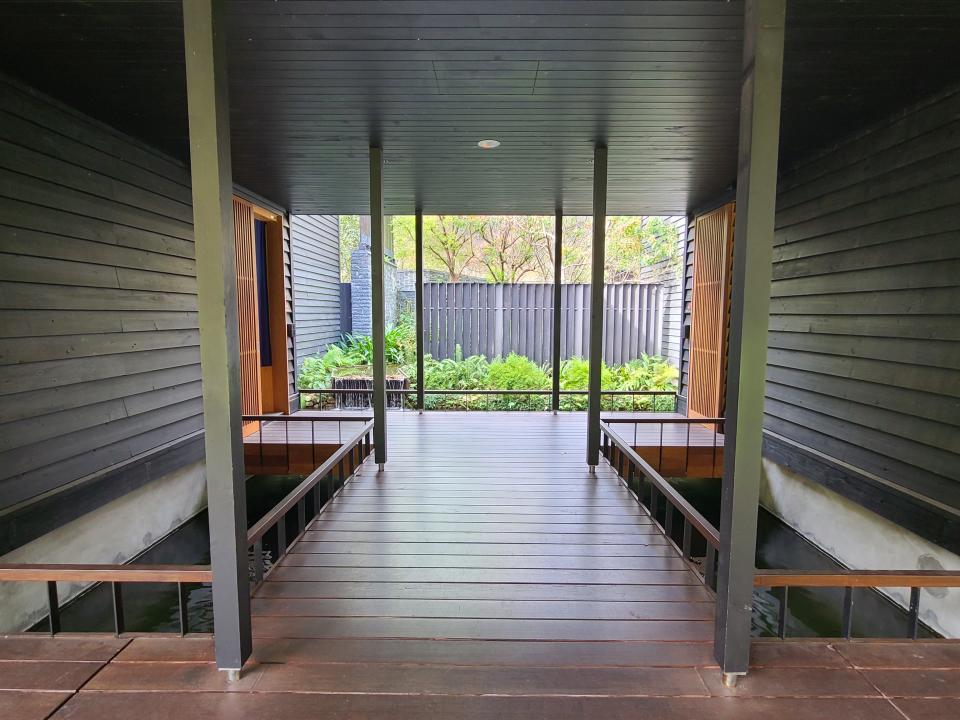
[(596, 303), (212, 182), (418, 303), (378, 311), (749, 318), (557, 302)]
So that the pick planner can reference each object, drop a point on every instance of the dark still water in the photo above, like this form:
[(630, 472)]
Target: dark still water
[(812, 612), (149, 607)]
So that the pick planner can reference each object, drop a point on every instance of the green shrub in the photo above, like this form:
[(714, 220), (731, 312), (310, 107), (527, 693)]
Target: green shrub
[(517, 372)]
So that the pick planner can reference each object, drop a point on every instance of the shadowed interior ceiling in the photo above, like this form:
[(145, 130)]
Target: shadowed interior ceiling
[(313, 83)]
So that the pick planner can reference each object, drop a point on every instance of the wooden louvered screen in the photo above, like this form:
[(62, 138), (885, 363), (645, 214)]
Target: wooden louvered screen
[(247, 307), (712, 267)]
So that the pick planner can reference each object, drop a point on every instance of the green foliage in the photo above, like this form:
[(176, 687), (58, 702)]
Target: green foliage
[(400, 347), (514, 372), (517, 372), (519, 248)]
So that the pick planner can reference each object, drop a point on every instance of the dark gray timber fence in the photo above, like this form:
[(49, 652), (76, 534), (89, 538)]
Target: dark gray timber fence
[(495, 320)]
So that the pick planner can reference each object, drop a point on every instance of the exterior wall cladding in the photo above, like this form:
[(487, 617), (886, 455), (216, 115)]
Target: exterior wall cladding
[(863, 379)]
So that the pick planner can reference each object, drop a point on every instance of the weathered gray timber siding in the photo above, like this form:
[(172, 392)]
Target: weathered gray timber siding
[(687, 294), (315, 246), (864, 361), (99, 356)]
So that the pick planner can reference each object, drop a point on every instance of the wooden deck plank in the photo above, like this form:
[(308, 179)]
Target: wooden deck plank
[(46, 675), (30, 705), (529, 562), (307, 706), (505, 551), (62, 647), (488, 609), (485, 591), (288, 571), (481, 629), (902, 654)]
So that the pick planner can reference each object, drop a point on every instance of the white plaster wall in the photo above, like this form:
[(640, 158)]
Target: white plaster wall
[(113, 533), (862, 540)]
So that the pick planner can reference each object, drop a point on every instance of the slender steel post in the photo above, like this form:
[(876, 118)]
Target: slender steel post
[(117, 593), (913, 620), (750, 305), (596, 303), (378, 311), (204, 34), (183, 602), (418, 303), (53, 607), (557, 305), (847, 625)]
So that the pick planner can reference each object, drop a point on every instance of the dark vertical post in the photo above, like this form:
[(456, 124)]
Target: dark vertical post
[(418, 303), (557, 302), (749, 316), (378, 316), (596, 303), (204, 25)]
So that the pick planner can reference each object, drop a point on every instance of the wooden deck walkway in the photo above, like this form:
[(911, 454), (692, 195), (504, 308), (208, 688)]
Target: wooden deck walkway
[(484, 575)]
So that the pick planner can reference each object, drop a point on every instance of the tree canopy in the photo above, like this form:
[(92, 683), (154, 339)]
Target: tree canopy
[(519, 248)]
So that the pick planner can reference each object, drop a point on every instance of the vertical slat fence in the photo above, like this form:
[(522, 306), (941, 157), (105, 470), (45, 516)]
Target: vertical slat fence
[(498, 319)]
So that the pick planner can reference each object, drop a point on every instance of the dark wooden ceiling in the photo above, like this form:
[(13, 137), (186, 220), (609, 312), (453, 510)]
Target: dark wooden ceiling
[(313, 83)]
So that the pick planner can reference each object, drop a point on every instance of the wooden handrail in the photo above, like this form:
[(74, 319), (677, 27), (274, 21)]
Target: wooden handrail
[(450, 391), (857, 578), (659, 421), (690, 513), (262, 526), (307, 418), (106, 573)]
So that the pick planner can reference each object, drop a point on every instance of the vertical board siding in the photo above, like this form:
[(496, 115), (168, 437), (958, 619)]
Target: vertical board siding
[(247, 309), (99, 346), (864, 362), (710, 306), (315, 246), (498, 319)]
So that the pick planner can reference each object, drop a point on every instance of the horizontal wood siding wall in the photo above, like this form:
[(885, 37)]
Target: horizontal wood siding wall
[(864, 360), (315, 245), (99, 354)]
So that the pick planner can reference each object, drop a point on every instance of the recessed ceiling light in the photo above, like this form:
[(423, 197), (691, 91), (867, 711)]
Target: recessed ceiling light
[(488, 144)]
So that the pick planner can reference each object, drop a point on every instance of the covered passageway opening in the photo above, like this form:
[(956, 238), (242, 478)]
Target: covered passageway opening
[(549, 544)]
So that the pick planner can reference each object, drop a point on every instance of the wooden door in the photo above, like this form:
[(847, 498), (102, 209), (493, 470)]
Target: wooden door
[(247, 307), (710, 321)]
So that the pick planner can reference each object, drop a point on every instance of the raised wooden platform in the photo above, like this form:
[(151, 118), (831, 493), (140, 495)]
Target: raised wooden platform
[(279, 447), (485, 574)]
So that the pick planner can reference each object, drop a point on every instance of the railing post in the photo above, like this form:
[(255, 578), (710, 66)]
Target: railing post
[(913, 626), (53, 607), (782, 616), (258, 560), (183, 603), (557, 302), (117, 593), (596, 304), (749, 318), (204, 24), (418, 303), (847, 626), (378, 310)]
